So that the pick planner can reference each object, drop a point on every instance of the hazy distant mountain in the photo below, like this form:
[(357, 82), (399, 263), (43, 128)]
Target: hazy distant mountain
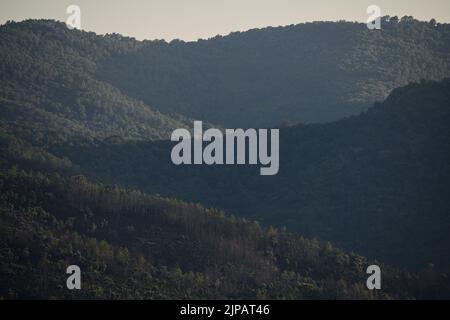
[(311, 72)]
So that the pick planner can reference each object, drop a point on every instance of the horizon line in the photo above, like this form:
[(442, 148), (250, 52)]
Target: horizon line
[(217, 35)]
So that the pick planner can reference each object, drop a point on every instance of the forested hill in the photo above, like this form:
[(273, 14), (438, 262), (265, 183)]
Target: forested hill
[(311, 72), (130, 245), (75, 104), (376, 183), (50, 92)]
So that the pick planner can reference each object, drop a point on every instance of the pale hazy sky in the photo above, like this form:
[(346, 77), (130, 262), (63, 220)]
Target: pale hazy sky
[(193, 19)]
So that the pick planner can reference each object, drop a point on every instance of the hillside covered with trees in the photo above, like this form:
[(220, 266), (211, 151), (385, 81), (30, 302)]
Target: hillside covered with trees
[(86, 176), (376, 183), (313, 72), (132, 245)]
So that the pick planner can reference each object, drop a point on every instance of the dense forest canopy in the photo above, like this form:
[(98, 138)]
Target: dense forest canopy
[(311, 72), (132, 245), (371, 183), (48, 75), (75, 104)]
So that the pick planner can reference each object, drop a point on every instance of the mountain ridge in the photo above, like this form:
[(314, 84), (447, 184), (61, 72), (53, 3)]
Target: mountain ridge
[(76, 105), (257, 78), (387, 166)]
